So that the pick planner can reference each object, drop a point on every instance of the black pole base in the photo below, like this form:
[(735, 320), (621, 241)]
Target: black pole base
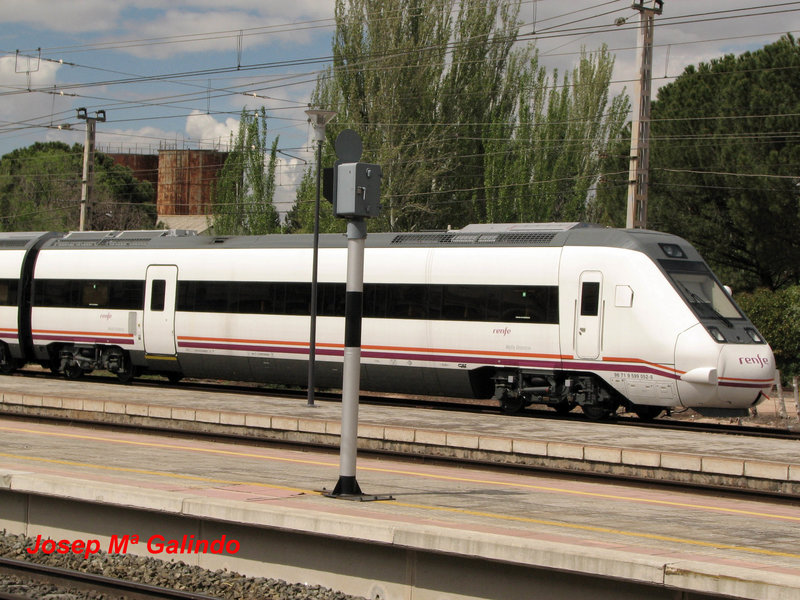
[(347, 488)]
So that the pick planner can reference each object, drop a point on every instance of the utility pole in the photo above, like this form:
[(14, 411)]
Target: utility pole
[(88, 166), (638, 175)]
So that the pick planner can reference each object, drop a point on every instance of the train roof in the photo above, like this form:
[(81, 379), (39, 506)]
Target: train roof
[(24, 240), (471, 236)]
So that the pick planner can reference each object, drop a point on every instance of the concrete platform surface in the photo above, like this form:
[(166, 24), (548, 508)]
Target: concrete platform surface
[(643, 535), (683, 457)]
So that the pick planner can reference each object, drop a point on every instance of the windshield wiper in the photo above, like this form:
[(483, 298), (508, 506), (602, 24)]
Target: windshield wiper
[(706, 305)]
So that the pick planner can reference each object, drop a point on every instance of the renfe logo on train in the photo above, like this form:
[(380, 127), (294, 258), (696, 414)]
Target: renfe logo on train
[(754, 360)]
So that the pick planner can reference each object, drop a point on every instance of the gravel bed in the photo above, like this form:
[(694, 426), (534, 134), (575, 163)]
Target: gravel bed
[(168, 574)]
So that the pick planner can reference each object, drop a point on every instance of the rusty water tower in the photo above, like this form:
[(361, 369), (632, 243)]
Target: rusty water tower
[(186, 180)]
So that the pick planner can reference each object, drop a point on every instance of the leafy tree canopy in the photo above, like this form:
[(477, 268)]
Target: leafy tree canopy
[(40, 190), (466, 125), (725, 161), (246, 187)]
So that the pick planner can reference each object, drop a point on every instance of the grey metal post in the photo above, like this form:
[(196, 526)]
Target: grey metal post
[(88, 166), (319, 119), (639, 166), (312, 344), (356, 194), (351, 372)]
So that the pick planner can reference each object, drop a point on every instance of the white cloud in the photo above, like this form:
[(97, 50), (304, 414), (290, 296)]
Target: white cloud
[(66, 17), (23, 113), (205, 131)]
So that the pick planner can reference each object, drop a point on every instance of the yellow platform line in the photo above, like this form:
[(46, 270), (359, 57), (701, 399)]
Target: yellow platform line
[(516, 485), (452, 510)]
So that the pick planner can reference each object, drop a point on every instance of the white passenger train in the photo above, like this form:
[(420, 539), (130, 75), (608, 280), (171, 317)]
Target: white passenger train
[(558, 314)]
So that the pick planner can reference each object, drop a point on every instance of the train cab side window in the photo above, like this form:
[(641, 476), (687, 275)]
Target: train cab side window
[(158, 295), (590, 298)]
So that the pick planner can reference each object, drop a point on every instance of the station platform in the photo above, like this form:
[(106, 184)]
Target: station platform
[(708, 459), (442, 531)]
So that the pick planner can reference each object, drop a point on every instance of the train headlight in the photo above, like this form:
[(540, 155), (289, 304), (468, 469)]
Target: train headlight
[(717, 335), (754, 335), (673, 250)]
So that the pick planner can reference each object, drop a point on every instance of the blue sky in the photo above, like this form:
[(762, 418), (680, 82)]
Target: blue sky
[(179, 73)]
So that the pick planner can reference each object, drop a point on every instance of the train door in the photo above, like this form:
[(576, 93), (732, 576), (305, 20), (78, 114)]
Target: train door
[(159, 309), (589, 317)]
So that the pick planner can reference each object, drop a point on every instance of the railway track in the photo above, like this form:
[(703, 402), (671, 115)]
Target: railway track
[(32, 580), (454, 404)]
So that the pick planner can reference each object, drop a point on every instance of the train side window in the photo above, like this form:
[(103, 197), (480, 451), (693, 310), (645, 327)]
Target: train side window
[(8, 292), (464, 303), (95, 294), (590, 298), (158, 294)]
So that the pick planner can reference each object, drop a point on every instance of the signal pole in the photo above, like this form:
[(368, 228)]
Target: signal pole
[(356, 197), (319, 119), (88, 166), (638, 175)]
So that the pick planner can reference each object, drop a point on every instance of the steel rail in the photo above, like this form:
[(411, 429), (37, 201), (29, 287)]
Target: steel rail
[(91, 581)]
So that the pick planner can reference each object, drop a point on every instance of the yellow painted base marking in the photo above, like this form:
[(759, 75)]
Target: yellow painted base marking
[(450, 510), (592, 528), (197, 478)]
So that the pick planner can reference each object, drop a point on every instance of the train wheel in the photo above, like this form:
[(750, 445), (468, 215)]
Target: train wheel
[(647, 413), (174, 377), (73, 371), (596, 413), (7, 364), (564, 407), (126, 376), (512, 405), (127, 372)]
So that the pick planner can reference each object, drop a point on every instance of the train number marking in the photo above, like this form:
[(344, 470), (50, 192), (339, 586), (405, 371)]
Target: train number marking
[(636, 376)]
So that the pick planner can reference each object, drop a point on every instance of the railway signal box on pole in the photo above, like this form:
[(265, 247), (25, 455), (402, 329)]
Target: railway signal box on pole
[(358, 189)]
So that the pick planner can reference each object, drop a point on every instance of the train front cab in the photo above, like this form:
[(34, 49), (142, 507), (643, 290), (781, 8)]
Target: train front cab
[(723, 363)]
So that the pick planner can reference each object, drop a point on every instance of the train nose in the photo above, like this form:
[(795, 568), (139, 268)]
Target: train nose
[(745, 372), (726, 376)]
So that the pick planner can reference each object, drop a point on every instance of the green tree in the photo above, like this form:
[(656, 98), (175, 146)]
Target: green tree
[(246, 187), (608, 206), (387, 71), (544, 167), (465, 124), (776, 314), (40, 190), (300, 218), (724, 163)]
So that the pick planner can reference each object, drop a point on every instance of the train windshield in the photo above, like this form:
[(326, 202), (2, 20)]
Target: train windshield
[(701, 290)]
